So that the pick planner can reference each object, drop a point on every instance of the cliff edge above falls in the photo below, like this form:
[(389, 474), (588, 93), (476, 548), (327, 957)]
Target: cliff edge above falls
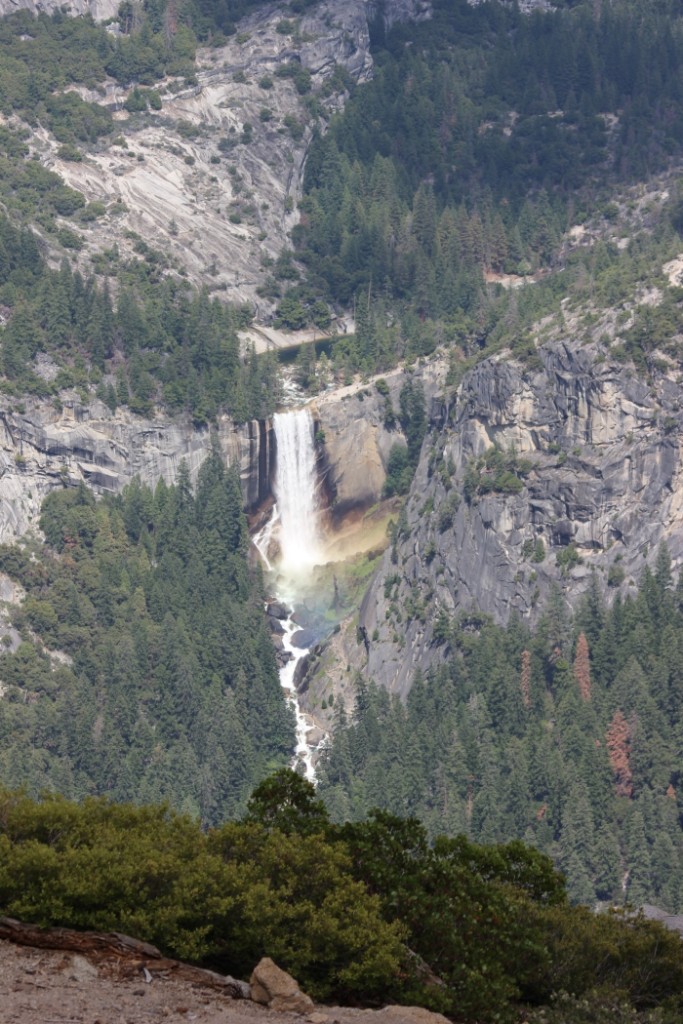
[(582, 477)]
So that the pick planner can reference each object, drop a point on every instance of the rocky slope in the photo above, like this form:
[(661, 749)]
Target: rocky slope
[(220, 215), (595, 457), (62, 987)]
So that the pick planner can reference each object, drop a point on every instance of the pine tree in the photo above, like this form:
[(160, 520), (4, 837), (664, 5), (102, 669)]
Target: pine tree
[(618, 740), (582, 667)]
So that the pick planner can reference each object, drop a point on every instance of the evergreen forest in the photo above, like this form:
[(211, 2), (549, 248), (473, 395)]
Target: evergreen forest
[(165, 686), (568, 737), (483, 136), (469, 831)]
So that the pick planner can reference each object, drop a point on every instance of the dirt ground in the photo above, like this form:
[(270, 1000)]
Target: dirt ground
[(40, 986)]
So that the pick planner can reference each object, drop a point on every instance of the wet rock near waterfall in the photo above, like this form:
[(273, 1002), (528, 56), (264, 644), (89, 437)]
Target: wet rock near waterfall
[(282, 658), (301, 672), (274, 988), (304, 638), (306, 667), (315, 736), (275, 625), (278, 610)]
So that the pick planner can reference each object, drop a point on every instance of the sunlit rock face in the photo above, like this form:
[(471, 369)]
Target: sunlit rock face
[(42, 449), (100, 10), (218, 203)]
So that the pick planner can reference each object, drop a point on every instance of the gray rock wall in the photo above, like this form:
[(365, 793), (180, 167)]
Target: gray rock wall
[(101, 10), (358, 440), (41, 449), (604, 487)]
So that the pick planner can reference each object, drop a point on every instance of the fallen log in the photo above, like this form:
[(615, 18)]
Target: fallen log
[(101, 947)]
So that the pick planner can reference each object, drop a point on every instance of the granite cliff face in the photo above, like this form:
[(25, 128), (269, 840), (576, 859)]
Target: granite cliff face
[(359, 435), (41, 449), (594, 486), (100, 10), (212, 179)]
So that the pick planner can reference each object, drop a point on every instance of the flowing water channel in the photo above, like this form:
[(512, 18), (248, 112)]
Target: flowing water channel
[(294, 526)]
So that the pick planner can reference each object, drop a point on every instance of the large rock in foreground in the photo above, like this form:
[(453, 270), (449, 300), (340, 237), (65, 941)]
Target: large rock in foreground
[(274, 988)]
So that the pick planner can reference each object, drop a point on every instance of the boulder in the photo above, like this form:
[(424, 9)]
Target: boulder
[(304, 638), (274, 624), (278, 610), (274, 988)]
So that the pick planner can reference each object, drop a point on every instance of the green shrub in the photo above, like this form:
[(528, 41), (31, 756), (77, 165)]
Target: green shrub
[(446, 513), (496, 471), (136, 101), (70, 152), (69, 239), (228, 897), (567, 558)]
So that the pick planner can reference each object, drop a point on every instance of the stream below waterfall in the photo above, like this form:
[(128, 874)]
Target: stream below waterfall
[(292, 530)]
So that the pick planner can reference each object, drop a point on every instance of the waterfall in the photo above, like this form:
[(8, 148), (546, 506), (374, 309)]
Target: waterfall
[(295, 521), (296, 492)]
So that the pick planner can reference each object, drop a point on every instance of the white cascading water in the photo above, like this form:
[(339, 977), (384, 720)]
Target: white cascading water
[(295, 518), (296, 484)]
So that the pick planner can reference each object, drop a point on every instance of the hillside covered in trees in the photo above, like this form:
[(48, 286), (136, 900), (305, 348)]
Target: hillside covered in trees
[(165, 687), (483, 137), (568, 736)]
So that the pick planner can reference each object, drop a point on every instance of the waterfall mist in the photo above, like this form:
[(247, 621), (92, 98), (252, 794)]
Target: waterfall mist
[(296, 492)]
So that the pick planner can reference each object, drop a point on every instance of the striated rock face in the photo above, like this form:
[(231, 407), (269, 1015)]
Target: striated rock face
[(222, 215), (41, 449), (602, 489), (100, 10)]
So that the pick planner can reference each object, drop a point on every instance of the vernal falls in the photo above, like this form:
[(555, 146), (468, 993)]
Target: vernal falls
[(294, 526)]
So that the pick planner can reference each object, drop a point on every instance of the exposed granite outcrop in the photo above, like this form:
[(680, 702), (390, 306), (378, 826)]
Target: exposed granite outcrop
[(221, 215), (41, 449), (602, 491), (358, 437), (100, 10)]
